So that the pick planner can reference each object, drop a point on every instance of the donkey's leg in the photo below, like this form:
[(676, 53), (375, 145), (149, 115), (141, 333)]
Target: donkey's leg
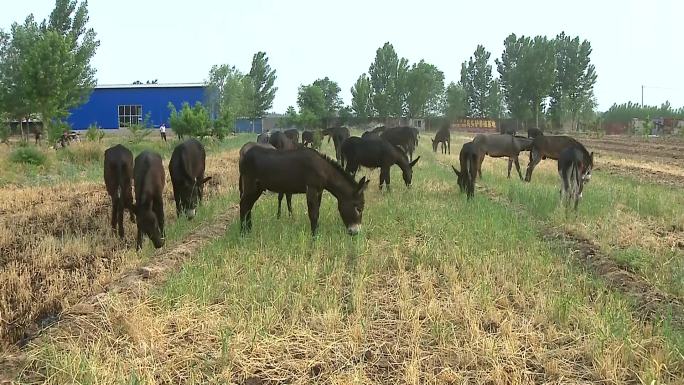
[(246, 203), (288, 197), (517, 167), (535, 158), (449, 146), (510, 164), (115, 205), (280, 202), (383, 175), (120, 218), (313, 203)]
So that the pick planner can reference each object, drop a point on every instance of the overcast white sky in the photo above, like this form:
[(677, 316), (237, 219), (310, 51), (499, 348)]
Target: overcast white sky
[(634, 42)]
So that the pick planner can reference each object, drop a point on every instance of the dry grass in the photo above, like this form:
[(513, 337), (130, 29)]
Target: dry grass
[(56, 246)]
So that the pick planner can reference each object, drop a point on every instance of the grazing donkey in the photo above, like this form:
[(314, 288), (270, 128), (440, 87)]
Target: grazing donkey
[(574, 168), (442, 136), (501, 145), (468, 158)]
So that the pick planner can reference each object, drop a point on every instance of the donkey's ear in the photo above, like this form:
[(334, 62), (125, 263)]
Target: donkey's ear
[(205, 180), (363, 184), (591, 156), (414, 162), (456, 171)]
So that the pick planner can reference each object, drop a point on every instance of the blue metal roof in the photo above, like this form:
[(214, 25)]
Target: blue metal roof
[(102, 107)]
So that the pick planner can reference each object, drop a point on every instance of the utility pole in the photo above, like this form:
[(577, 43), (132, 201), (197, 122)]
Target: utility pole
[(642, 96)]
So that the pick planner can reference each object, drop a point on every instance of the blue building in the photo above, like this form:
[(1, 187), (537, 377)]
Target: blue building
[(119, 106)]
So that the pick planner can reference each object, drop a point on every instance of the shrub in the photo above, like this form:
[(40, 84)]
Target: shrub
[(28, 155), (220, 132), (94, 133), (56, 129), (4, 133), (191, 121), (138, 132), (317, 139)]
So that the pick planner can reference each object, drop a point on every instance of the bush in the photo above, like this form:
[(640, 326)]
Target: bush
[(56, 129), (220, 132), (94, 133), (28, 155), (190, 121), (4, 133), (138, 132), (317, 139)]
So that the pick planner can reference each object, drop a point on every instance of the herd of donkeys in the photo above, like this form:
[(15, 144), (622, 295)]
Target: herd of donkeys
[(280, 163)]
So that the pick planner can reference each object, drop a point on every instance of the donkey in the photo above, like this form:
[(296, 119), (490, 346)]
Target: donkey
[(574, 168), (534, 132), (263, 137), (372, 153), (501, 145), (293, 135), (442, 136), (469, 162), (297, 172), (547, 147), (281, 141), (308, 138), (118, 174), (404, 137)]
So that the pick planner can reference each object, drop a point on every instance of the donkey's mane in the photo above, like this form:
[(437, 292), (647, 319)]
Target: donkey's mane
[(339, 168)]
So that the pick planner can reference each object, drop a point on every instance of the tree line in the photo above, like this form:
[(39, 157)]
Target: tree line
[(45, 67), (539, 79)]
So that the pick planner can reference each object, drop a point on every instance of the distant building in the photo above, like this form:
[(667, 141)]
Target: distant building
[(120, 105), (269, 122)]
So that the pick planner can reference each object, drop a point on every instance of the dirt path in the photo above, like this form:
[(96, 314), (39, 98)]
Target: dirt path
[(644, 174)]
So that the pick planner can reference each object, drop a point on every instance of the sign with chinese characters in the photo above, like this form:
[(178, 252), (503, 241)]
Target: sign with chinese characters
[(475, 123)]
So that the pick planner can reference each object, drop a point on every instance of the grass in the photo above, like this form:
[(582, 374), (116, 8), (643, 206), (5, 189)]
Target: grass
[(435, 290), (82, 161), (629, 219)]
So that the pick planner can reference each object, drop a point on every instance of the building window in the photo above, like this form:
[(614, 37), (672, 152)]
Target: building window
[(129, 115)]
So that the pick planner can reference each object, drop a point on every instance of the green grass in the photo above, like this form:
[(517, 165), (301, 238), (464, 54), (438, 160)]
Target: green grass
[(83, 161), (607, 198)]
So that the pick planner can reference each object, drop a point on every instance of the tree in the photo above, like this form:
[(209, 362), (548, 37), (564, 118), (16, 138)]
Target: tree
[(362, 94), (229, 94), (526, 73), (46, 68), (476, 79), (345, 115), (455, 103), (575, 77), (331, 94), (425, 87), (388, 80), (495, 102), (13, 87), (263, 79), (312, 105)]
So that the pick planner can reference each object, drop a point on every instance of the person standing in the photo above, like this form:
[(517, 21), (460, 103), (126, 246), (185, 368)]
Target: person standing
[(162, 131)]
